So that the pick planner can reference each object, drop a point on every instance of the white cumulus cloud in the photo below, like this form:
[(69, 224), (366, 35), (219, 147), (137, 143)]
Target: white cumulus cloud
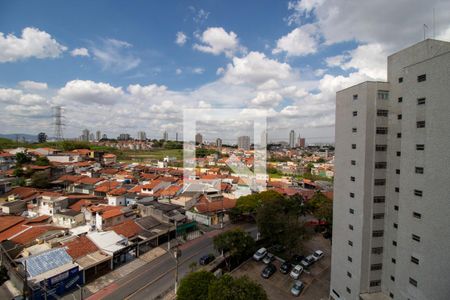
[(301, 41), (33, 85), (79, 52), (181, 38), (216, 40)]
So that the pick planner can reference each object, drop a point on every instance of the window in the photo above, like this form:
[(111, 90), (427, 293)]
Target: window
[(382, 130), (379, 199), (415, 237), (352, 195), (351, 210), (418, 193), (375, 283), (336, 293), (398, 153), (378, 216), (396, 207), (400, 79), (349, 290), (354, 129), (422, 77), (400, 99), (390, 294), (382, 112), (377, 233), (420, 124), (395, 225), (352, 178), (375, 267), (349, 259), (380, 147), (380, 165), (355, 113), (393, 279), (350, 226), (397, 171), (399, 116), (397, 189), (399, 135), (413, 282), (349, 274), (377, 250), (353, 162), (353, 146), (414, 260), (420, 147), (419, 170), (350, 243), (355, 97), (420, 101), (394, 243), (393, 260), (379, 182), (417, 215), (383, 95)]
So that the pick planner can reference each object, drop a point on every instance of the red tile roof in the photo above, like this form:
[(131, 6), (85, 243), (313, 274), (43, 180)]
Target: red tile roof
[(107, 186), (89, 180), (31, 233), (112, 213), (109, 171), (79, 204), (127, 228), (51, 194), (152, 184), (7, 222), (171, 191), (148, 176), (205, 206), (118, 192), (109, 155), (23, 192), (80, 246), (39, 219)]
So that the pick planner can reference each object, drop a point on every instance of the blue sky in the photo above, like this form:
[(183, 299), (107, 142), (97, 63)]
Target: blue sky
[(116, 66)]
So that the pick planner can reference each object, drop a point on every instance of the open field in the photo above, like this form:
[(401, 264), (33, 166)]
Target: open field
[(158, 154)]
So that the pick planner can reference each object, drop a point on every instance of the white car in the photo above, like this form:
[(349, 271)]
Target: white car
[(260, 254), (318, 254), (296, 271)]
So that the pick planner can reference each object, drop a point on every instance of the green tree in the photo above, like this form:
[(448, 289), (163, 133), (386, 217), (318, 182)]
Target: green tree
[(250, 203), (229, 288), (42, 161), (195, 285), (321, 207), (22, 158), (40, 179), (237, 243)]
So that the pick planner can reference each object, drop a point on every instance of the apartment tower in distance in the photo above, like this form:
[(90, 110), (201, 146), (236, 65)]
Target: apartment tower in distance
[(391, 230)]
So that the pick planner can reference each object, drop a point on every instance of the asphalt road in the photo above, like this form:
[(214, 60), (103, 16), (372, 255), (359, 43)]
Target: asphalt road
[(157, 277)]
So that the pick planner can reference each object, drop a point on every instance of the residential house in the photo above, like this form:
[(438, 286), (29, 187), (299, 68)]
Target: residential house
[(68, 218)]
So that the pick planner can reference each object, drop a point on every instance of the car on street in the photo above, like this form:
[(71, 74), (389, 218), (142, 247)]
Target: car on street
[(285, 267), (260, 254), (297, 288), (296, 272), (268, 271), (308, 261), (318, 254), (206, 259), (268, 258)]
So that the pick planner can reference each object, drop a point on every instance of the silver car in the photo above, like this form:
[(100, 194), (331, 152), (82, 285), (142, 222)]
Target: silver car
[(297, 288)]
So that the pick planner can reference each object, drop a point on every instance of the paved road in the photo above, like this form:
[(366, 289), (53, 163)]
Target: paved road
[(157, 277)]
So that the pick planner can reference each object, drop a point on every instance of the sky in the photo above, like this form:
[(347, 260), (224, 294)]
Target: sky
[(129, 66)]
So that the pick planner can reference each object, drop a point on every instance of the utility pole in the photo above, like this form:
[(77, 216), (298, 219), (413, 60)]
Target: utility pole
[(177, 254)]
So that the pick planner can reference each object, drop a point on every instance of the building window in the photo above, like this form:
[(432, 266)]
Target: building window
[(350, 243), (390, 294), (395, 225), (400, 79), (353, 146), (397, 189), (379, 182), (413, 282), (379, 199), (375, 267), (397, 171), (352, 195), (394, 243), (392, 278), (399, 135), (355, 113), (380, 147), (382, 130), (375, 283), (396, 207), (393, 260), (418, 193), (414, 260), (349, 259), (350, 226), (420, 124), (377, 233), (355, 97), (420, 147), (421, 101), (415, 237), (380, 165), (378, 216), (353, 162), (422, 77), (349, 290), (349, 274), (351, 210), (417, 215), (419, 170), (377, 250), (399, 116), (382, 112), (400, 99), (336, 293), (383, 95), (354, 129), (399, 153), (352, 178)]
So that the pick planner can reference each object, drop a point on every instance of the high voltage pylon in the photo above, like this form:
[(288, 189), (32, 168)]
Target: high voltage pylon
[(57, 123)]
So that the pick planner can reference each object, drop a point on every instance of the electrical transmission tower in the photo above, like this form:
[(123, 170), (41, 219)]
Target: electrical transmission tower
[(58, 124)]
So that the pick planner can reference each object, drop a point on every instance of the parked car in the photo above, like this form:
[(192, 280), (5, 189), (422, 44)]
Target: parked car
[(268, 271), (277, 248), (206, 259), (296, 271), (268, 258), (260, 254), (318, 254), (308, 261), (296, 259), (285, 267), (297, 288)]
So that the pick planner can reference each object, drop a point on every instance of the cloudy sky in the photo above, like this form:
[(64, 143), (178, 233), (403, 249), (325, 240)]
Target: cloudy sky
[(126, 66)]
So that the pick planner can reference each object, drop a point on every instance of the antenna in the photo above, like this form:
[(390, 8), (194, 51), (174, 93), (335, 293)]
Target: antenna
[(434, 24), (57, 116), (425, 28)]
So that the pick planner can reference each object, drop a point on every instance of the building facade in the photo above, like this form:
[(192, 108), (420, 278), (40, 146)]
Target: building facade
[(292, 139), (243, 142), (391, 225)]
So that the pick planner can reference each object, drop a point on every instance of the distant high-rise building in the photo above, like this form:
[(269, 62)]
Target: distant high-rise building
[(176, 136), (91, 137), (141, 136), (300, 142), (105, 136), (124, 137), (98, 135), (264, 138), (391, 208), (219, 144), (42, 137), (292, 139), (85, 135), (244, 142), (198, 139), (165, 136)]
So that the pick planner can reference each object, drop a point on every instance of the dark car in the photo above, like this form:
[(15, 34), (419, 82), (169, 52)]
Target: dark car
[(268, 271), (206, 259), (285, 267), (307, 261), (296, 259)]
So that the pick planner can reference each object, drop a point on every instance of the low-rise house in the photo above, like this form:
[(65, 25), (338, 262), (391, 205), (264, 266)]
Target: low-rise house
[(16, 207), (49, 203), (116, 197), (112, 244), (109, 158), (7, 161), (211, 211), (163, 212), (154, 186), (68, 218)]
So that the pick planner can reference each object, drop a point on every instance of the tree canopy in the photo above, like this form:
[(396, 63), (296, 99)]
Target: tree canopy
[(237, 243), (195, 286)]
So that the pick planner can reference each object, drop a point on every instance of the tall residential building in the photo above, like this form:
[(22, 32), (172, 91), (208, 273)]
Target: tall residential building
[(264, 139), (198, 139), (85, 135), (244, 142), (124, 137), (98, 135), (391, 224), (219, 144), (104, 136), (300, 142), (91, 137), (292, 139), (141, 136), (176, 136), (165, 136)]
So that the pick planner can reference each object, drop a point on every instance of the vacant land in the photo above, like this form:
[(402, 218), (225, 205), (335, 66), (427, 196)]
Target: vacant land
[(148, 155)]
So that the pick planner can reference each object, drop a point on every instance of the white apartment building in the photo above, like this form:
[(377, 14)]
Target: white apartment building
[(391, 231)]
